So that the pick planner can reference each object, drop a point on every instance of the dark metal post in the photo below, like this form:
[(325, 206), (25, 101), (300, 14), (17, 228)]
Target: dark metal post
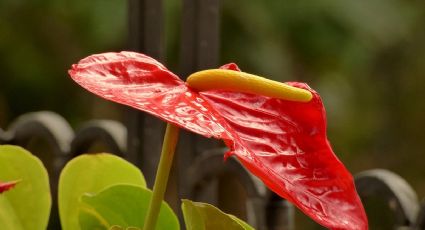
[(145, 132), (200, 35), (199, 49)]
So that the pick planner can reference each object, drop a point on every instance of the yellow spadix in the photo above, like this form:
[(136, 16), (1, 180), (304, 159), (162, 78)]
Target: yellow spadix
[(246, 83)]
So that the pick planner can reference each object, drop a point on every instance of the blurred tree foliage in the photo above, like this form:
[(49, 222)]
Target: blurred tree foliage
[(366, 58)]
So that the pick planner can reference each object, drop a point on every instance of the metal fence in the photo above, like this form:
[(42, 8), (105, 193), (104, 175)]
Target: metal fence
[(199, 172)]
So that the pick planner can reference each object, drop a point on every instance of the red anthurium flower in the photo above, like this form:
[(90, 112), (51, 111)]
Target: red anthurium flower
[(5, 186), (282, 142)]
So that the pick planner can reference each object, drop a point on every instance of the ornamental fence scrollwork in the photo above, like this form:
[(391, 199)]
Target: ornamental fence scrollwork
[(400, 198), (61, 143)]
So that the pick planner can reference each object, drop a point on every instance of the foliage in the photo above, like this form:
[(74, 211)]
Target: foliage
[(96, 191), (91, 174), (202, 216), (126, 207), (27, 206)]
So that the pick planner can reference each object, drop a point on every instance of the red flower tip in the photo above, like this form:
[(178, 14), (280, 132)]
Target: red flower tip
[(5, 186), (230, 66)]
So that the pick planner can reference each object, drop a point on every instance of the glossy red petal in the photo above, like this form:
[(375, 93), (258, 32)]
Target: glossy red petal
[(284, 143), (5, 186), (230, 66), (142, 82)]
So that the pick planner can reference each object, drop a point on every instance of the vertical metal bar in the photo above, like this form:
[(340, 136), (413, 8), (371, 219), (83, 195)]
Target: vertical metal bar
[(280, 214), (145, 132), (146, 27), (206, 50), (188, 61), (198, 50), (208, 34), (200, 35)]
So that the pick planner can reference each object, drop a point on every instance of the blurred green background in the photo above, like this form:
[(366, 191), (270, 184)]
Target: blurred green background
[(366, 59)]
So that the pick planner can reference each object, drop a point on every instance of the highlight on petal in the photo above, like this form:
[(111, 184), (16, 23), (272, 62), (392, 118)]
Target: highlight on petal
[(5, 186), (284, 143), (143, 83)]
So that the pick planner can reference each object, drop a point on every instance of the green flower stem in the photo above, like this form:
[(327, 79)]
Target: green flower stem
[(165, 162)]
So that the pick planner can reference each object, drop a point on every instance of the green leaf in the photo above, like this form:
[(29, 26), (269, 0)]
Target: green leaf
[(122, 206), (202, 216), (27, 206), (91, 173), (244, 224)]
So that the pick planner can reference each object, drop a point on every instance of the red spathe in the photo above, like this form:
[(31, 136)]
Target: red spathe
[(283, 143)]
